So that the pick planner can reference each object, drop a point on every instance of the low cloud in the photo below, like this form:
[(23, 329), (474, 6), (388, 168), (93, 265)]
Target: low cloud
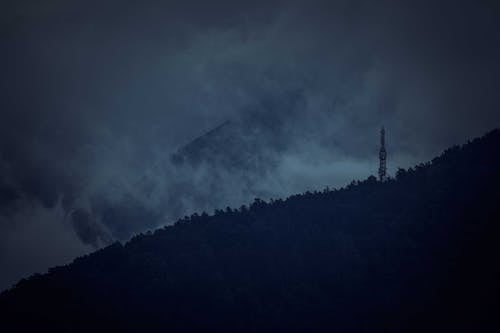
[(35, 238), (98, 96)]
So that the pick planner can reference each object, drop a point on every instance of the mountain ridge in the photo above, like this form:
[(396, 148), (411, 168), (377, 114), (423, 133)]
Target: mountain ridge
[(378, 256)]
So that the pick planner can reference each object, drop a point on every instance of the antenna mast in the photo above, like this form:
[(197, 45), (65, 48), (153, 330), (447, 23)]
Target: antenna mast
[(382, 170)]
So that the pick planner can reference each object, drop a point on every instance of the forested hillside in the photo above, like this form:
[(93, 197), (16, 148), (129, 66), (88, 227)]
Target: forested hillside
[(414, 253)]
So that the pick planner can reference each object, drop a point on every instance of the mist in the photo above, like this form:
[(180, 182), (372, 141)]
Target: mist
[(97, 98)]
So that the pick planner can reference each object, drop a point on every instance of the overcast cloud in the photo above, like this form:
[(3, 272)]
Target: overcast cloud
[(98, 95)]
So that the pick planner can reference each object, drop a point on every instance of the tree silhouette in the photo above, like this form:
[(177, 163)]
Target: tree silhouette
[(414, 253)]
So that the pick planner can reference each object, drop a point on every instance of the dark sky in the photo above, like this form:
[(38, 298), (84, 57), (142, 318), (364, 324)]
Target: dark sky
[(97, 95)]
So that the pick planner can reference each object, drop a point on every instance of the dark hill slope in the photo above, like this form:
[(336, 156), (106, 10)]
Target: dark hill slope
[(418, 253)]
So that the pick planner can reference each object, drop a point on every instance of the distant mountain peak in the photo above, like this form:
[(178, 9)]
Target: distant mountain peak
[(413, 253)]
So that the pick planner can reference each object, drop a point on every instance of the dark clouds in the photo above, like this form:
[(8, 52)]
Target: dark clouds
[(97, 95)]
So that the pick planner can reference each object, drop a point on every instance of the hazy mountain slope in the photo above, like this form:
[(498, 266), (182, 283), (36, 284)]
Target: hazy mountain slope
[(418, 253)]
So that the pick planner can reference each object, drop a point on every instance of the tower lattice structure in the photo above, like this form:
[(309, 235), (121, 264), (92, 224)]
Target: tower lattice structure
[(382, 170)]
